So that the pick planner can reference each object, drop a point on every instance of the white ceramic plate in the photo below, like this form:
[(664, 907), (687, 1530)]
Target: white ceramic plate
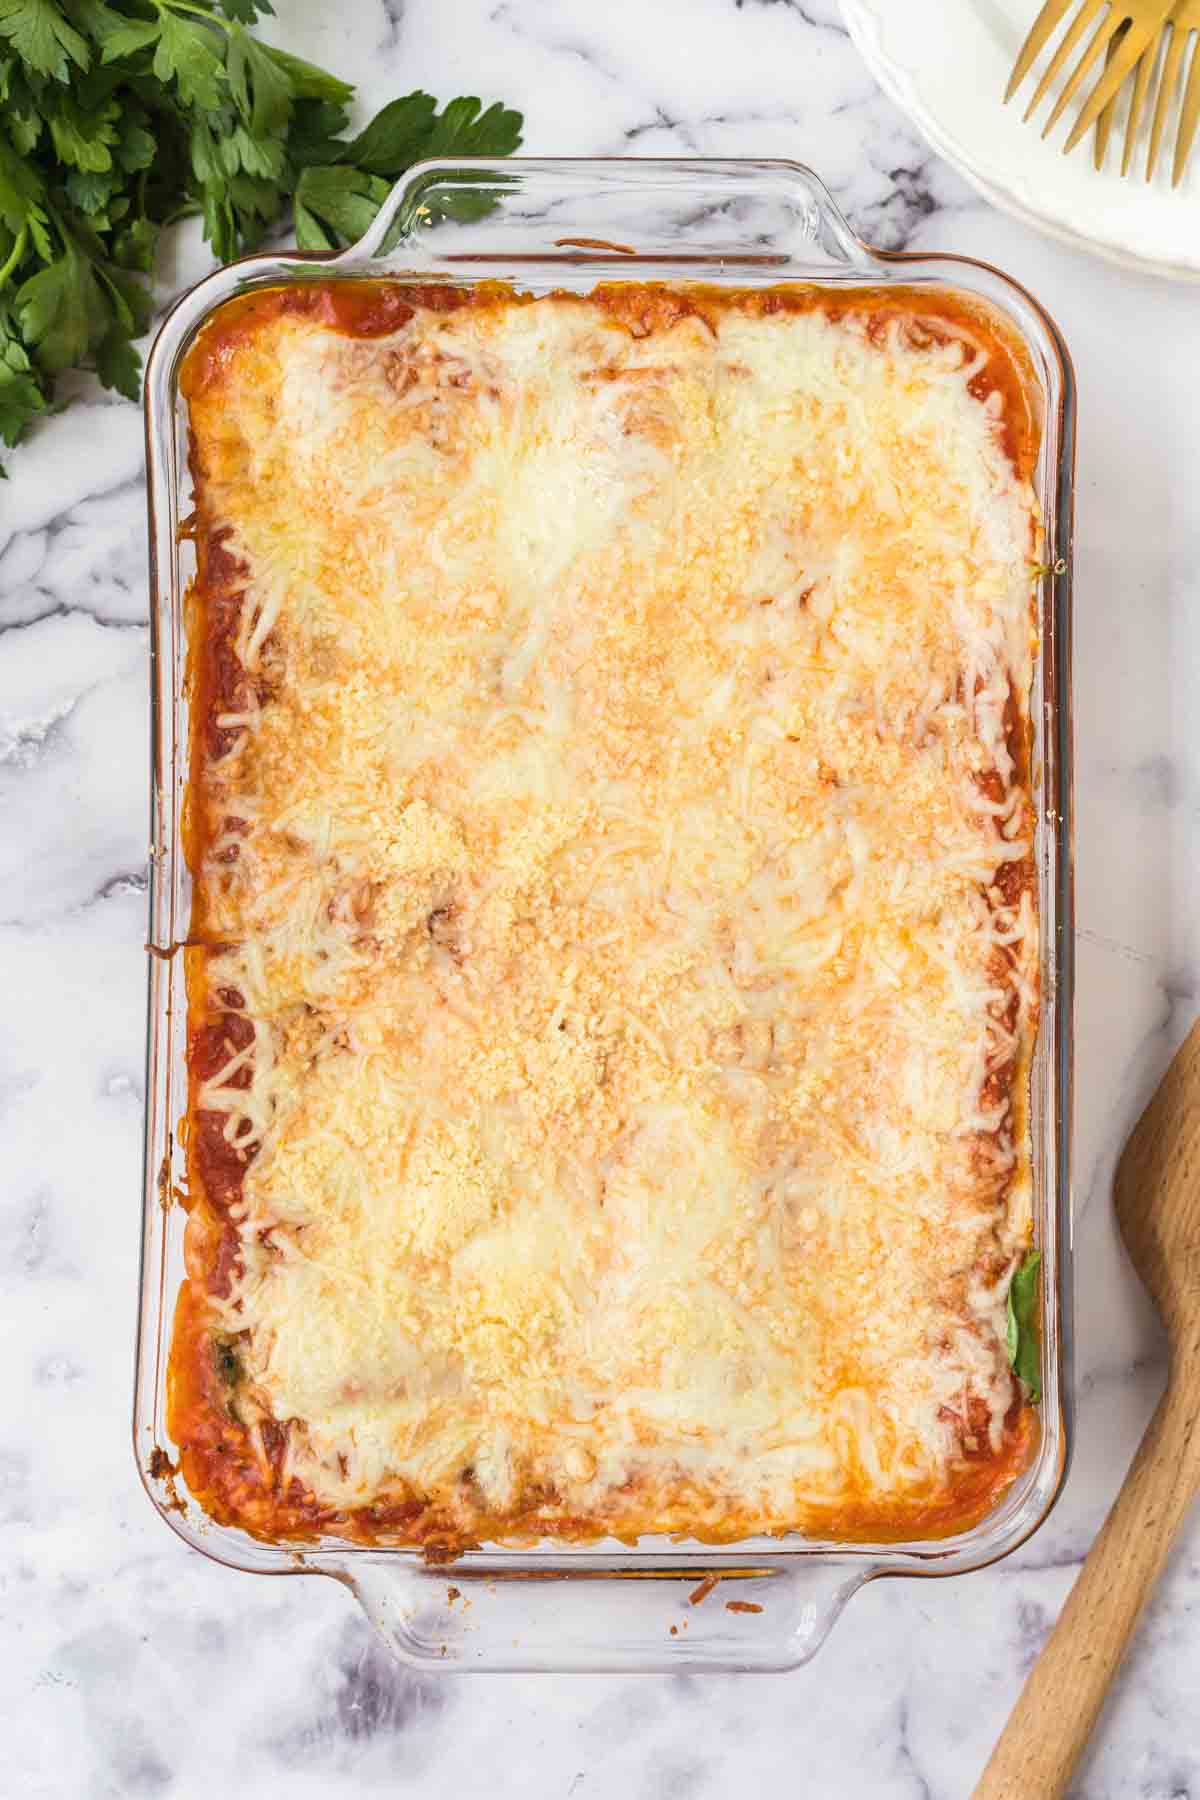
[(947, 62)]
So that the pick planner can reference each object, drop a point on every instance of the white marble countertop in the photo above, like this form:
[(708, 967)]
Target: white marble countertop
[(133, 1667)]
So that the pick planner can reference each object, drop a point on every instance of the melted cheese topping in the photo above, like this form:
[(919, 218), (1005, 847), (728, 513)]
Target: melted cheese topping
[(608, 864)]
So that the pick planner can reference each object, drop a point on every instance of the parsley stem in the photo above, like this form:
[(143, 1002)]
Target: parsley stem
[(15, 255), (55, 217)]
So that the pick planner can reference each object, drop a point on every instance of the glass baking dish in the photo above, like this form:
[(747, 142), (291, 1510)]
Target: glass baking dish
[(553, 224)]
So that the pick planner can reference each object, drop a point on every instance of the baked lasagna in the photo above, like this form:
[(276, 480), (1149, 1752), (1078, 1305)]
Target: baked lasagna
[(613, 964)]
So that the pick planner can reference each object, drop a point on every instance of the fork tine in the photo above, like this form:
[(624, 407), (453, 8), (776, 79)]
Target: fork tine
[(1071, 37), (1166, 89), (1137, 102), (1189, 116), (1031, 49), (1122, 57), (1102, 35), (1104, 123)]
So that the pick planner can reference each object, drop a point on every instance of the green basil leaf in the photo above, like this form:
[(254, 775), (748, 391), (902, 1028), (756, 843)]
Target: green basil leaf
[(1023, 1337)]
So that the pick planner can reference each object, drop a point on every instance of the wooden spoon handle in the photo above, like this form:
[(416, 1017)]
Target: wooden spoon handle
[(1061, 1700)]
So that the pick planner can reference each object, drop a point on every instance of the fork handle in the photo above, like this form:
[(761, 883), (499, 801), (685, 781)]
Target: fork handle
[(1061, 1700)]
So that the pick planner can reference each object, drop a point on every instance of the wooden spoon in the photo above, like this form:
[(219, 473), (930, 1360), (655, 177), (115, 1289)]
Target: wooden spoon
[(1157, 1190)]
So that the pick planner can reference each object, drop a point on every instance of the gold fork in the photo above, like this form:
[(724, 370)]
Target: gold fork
[(1107, 116), (1137, 22), (1184, 20)]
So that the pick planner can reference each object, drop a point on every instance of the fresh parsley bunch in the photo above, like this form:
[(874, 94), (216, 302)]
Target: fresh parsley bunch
[(119, 116)]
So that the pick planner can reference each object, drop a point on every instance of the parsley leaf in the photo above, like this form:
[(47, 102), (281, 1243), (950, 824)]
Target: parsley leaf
[(90, 189), (130, 300), (310, 233), (21, 398), (84, 139), (42, 38), (396, 136), (133, 247), (94, 18), (343, 185), (411, 129), (126, 37), (262, 90), (119, 366), (20, 401), (22, 106), (315, 128), (57, 309), (464, 130), (257, 156), (308, 81), (135, 146), (244, 10), (21, 190), (335, 202), (1023, 1340), (187, 55)]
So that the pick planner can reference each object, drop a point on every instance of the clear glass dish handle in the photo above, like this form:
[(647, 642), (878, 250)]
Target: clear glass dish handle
[(486, 1615), (736, 215)]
